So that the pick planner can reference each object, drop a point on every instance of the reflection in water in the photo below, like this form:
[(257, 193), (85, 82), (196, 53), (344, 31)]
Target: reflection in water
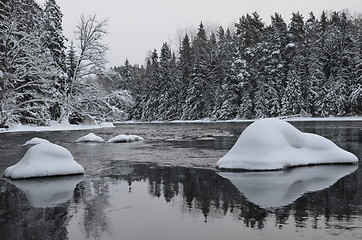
[(92, 199), (20, 221), (205, 190), (273, 189), (48, 192), (98, 209)]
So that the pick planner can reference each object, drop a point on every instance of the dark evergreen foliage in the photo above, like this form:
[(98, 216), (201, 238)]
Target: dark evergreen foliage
[(309, 67)]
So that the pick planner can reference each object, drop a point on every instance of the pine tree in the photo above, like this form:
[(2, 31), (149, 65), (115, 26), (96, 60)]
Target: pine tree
[(184, 71), (196, 102), (228, 92), (250, 32), (151, 98), (292, 98), (168, 95), (54, 38)]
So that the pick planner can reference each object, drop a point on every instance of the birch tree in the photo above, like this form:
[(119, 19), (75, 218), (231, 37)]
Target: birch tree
[(91, 60)]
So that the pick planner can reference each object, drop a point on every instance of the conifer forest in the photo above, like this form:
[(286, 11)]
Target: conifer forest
[(306, 65)]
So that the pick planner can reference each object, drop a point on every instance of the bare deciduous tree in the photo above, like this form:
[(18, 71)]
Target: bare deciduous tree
[(91, 57)]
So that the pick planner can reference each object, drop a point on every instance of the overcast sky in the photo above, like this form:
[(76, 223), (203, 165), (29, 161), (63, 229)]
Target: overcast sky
[(138, 26)]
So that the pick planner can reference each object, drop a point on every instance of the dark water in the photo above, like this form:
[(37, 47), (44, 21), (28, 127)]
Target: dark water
[(167, 188)]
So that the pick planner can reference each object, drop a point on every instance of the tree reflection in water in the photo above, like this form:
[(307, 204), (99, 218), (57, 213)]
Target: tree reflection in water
[(205, 190), (199, 191)]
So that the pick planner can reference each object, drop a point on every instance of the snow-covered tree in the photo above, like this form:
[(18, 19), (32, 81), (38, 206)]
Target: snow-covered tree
[(196, 105), (53, 33), (28, 88), (90, 59)]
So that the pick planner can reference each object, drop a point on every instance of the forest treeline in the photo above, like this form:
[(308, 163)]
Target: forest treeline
[(310, 66), (307, 66)]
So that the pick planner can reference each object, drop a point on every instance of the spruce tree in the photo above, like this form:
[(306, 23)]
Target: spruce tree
[(54, 38), (196, 102)]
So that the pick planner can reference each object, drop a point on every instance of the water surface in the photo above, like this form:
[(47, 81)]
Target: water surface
[(167, 188)]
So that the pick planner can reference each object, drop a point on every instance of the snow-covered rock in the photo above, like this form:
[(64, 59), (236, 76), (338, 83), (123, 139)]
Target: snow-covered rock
[(44, 159), (122, 138), (91, 137), (48, 192), (271, 144), (280, 188), (35, 141)]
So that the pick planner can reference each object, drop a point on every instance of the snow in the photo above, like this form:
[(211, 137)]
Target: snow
[(136, 138), (42, 160), (209, 120), (271, 144), (48, 192), (35, 141), (54, 126), (91, 137), (123, 138), (280, 188)]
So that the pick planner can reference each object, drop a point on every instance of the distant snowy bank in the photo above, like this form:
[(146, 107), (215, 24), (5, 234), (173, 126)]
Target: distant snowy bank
[(54, 126), (286, 118)]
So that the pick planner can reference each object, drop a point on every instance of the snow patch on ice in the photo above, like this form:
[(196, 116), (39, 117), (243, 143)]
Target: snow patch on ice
[(35, 141), (136, 138), (271, 144), (91, 137), (122, 138), (42, 160)]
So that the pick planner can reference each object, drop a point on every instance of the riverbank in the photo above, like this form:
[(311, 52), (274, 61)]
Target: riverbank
[(55, 126)]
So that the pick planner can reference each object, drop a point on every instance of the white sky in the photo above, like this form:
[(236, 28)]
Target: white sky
[(136, 27)]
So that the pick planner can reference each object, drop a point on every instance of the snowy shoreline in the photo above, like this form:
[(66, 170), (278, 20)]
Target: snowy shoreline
[(54, 127), (288, 119), (69, 127)]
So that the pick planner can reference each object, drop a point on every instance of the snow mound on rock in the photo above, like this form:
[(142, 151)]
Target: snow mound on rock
[(122, 138), (42, 160), (271, 144), (91, 137), (35, 141)]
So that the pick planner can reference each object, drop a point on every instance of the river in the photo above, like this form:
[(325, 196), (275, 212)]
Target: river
[(166, 187)]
